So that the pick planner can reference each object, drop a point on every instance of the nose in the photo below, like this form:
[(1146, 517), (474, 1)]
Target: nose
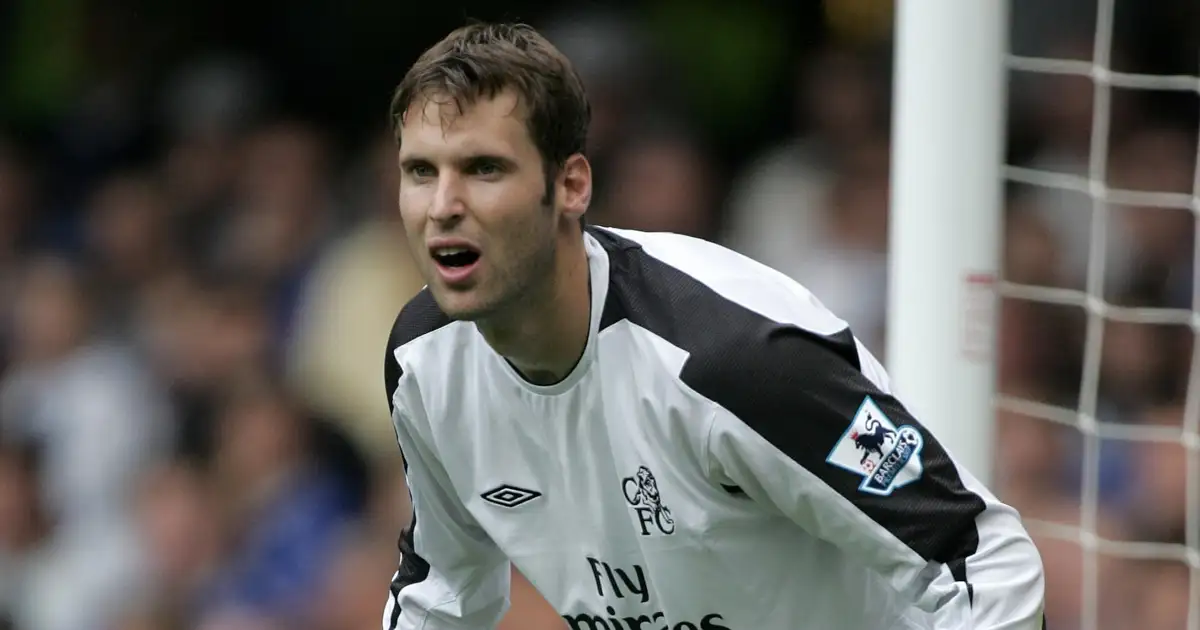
[(448, 203)]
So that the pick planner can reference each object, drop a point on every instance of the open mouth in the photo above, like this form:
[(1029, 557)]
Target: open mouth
[(455, 257)]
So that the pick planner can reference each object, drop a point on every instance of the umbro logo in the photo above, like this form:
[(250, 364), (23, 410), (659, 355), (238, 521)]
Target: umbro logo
[(509, 496)]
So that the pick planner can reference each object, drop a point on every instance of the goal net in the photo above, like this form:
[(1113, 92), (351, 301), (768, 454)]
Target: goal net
[(1096, 373)]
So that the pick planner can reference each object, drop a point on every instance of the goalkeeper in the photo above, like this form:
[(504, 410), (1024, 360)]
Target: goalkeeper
[(658, 432)]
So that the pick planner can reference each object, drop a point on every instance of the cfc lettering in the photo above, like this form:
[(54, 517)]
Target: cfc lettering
[(651, 519)]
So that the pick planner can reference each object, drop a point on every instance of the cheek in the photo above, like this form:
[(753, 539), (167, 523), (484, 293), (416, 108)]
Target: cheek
[(496, 201), (513, 210), (412, 202)]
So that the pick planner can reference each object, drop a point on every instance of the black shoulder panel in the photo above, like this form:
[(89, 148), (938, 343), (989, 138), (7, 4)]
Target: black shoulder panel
[(796, 388), (419, 317)]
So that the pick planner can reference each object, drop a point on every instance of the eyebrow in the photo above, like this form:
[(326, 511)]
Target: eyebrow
[(412, 161), (462, 162)]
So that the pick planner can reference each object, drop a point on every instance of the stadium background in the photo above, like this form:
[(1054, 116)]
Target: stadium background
[(199, 261)]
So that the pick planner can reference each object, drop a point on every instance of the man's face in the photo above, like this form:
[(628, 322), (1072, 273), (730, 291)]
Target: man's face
[(472, 189)]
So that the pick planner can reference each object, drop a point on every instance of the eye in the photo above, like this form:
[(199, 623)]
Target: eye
[(486, 168), (421, 171)]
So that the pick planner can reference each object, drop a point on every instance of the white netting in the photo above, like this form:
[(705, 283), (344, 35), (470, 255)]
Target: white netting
[(1087, 418)]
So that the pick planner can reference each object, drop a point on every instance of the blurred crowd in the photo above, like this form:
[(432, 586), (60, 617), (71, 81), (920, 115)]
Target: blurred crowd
[(193, 427)]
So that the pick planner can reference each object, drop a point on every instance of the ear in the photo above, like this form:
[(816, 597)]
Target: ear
[(574, 186)]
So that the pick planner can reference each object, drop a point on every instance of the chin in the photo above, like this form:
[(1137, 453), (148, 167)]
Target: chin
[(461, 306)]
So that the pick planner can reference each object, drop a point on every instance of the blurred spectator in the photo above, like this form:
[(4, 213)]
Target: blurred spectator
[(202, 335), (282, 213), (23, 525), (212, 99), (17, 208), (150, 616), (612, 54), (847, 268), (1061, 118), (126, 245), (98, 420), (95, 413), (346, 313), (288, 511), (1163, 596), (349, 593), (1031, 251), (1138, 365), (1157, 242), (1066, 572), (182, 532), (661, 180), (1030, 458), (776, 208), (1160, 478), (207, 108)]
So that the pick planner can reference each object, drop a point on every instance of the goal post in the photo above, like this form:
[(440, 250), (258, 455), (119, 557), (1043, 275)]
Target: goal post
[(945, 231)]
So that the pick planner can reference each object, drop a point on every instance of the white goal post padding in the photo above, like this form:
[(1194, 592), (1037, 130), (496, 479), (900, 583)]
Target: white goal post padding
[(947, 144)]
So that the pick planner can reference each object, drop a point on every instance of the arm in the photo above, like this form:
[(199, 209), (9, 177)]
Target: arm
[(451, 574), (819, 437)]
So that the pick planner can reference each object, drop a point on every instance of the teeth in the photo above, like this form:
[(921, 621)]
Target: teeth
[(450, 251)]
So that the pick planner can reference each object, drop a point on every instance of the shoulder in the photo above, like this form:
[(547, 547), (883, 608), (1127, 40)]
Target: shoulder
[(748, 330), (693, 287), (672, 270), (419, 318)]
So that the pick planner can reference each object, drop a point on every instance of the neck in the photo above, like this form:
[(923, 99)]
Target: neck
[(544, 336)]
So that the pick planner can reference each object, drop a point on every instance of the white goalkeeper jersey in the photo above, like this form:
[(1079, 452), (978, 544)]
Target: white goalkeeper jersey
[(725, 456)]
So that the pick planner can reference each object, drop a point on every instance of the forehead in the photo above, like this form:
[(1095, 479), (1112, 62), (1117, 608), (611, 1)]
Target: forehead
[(434, 124)]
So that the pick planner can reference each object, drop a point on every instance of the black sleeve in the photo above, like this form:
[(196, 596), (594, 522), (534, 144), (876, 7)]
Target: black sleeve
[(806, 424)]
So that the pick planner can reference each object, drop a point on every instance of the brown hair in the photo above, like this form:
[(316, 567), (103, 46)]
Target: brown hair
[(481, 60)]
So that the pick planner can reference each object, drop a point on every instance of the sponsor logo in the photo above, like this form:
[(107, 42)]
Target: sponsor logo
[(509, 496), (884, 455), (631, 587), (641, 492)]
